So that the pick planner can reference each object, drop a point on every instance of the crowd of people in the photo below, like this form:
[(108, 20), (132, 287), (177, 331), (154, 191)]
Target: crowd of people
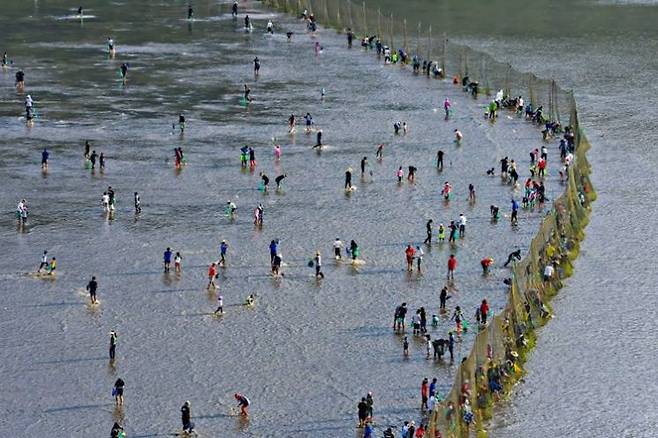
[(435, 346), (534, 195)]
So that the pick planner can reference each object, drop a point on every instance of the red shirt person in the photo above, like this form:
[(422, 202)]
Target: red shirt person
[(452, 265), (486, 263), (410, 252), (212, 273), (424, 393), (484, 311)]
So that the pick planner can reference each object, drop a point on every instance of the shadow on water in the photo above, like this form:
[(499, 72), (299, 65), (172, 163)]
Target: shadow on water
[(84, 359), (61, 304), (80, 408)]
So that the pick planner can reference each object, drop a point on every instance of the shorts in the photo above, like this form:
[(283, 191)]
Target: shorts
[(399, 320)]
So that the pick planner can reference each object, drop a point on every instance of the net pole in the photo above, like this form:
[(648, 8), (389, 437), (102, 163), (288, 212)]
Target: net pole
[(444, 53), (390, 31), (404, 45), (379, 24), (429, 44)]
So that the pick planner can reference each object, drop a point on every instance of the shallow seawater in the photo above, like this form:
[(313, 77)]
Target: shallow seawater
[(592, 373), (308, 350)]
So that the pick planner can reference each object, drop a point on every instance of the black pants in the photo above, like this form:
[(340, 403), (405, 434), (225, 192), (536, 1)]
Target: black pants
[(510, 258), (113, 348)]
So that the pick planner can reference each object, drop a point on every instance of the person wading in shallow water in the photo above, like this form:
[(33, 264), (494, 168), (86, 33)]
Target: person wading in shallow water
[(113, 344), (243, 404), (186, 417), (428, 239)]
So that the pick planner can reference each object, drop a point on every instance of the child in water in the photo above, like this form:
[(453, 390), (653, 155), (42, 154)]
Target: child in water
[(220, 305), (442, 233), (458, 137), (447, 189), (177, 263)]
